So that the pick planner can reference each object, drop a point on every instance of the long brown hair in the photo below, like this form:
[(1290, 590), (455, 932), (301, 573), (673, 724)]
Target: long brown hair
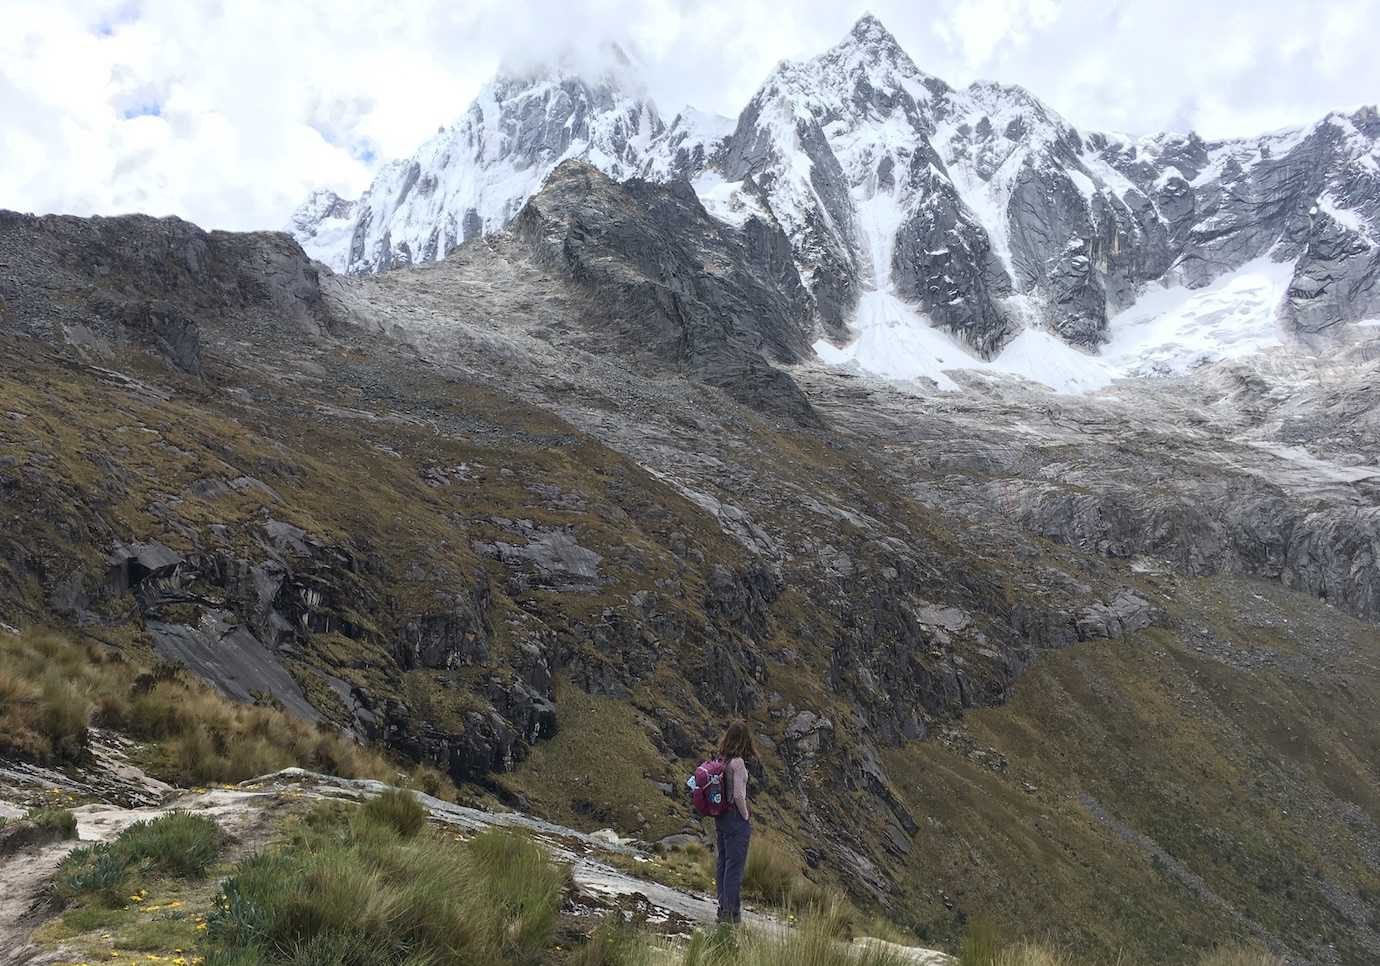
[(737, 742)]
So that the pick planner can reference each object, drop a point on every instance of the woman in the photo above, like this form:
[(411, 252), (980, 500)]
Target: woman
[(733, 827)]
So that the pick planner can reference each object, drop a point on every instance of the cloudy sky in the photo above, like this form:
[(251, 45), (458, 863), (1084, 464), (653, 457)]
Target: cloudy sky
[(228, 111)]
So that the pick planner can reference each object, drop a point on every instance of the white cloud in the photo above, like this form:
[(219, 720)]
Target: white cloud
[(228, 113)]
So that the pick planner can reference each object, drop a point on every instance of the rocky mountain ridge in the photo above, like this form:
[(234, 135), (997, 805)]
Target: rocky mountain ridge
[(918, 213)]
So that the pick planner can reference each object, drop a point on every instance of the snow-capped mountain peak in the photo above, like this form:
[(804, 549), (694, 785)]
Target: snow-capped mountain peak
[(933, 228), (609, 62), (474, 176)]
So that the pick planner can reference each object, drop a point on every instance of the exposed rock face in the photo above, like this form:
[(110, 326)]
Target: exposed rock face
[(230, 657), (551, 560), (1247, 528), (677, 284), (452, 639), (153, 282)]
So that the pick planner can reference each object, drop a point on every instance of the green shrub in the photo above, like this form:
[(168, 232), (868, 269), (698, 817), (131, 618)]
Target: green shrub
[(242, 915), (360, 893), (59, 820), (39, 827), (97, 871), (398, 810), (178, 844)]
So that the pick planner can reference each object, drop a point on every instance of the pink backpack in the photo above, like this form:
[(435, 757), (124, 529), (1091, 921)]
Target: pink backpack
[(709, 788)]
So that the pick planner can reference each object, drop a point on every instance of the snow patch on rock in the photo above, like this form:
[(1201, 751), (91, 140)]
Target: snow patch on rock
[(1173, 329)]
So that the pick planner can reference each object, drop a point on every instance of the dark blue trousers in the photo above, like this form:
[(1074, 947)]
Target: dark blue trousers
[(733, 833)]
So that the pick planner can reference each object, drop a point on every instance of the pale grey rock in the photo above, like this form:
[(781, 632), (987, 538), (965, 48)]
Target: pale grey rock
[(552, 559), (1123, 614)]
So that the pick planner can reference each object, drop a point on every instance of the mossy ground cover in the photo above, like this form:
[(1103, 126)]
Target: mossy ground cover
[(1175, 802), (598, 770)]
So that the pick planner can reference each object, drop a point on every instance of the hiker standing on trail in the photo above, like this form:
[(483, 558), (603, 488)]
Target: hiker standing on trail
[(734, 825)]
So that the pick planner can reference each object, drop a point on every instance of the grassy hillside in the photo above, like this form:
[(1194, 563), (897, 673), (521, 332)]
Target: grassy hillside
[(460, 577)]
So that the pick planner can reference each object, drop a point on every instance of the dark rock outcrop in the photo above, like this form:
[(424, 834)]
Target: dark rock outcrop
[(459, 636), (153, 282), (677, 285)]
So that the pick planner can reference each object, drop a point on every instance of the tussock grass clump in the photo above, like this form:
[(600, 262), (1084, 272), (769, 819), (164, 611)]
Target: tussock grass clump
[(39, 827), (774, 876), (1240, 956), (58, 820), (398, 810), (356, 891), (1029, 954), (53, 688), (518, 876), (812, 944), (178, 844), (981, 945), (46, 689), (203, 738), (772, 873), (615, 943)]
